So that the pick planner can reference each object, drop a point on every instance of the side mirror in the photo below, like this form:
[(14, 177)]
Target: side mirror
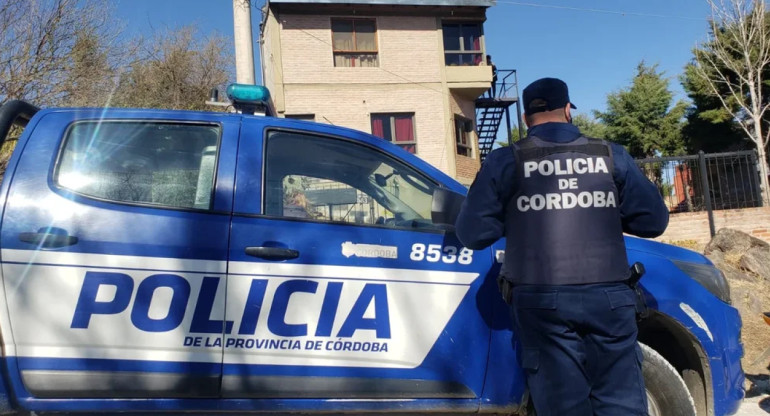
[(446, 207), (380, 179)]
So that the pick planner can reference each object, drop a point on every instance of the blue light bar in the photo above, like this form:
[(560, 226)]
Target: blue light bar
[(250, 99), (248, 94)]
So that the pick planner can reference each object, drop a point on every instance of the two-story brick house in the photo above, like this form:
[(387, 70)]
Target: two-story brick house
[(408, 71)]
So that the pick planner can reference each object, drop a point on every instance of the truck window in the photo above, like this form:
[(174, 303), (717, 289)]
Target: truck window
[(325, 179), (157, 163)]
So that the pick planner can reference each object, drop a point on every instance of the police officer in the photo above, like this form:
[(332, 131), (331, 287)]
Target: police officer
[(563, 202)]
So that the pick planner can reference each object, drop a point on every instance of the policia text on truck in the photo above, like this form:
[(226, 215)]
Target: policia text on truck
[(156, 261)]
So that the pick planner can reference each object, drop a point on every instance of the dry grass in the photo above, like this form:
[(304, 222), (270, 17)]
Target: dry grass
[(688, 244), (734, 259)]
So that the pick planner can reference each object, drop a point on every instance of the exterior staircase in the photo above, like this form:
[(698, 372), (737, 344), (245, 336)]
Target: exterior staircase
[(490, 111)]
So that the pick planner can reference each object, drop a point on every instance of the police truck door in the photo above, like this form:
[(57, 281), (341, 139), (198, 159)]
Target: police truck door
[(339, 284), (114, 253)]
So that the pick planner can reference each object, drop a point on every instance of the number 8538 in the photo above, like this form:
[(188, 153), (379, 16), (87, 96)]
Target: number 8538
[(435, 253)]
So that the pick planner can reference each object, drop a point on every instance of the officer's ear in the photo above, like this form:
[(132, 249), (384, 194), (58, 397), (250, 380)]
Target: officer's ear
[(568, 113), (526, 120)]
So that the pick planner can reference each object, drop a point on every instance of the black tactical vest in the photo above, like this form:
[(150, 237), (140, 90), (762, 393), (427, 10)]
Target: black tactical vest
[(563, 223)]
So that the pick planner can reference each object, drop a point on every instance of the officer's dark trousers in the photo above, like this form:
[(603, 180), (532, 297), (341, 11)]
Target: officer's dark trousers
[(578, 348)]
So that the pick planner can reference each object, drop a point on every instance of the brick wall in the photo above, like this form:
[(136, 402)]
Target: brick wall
[(466, 169), (352, 106), (695, 226), (407, 80), (408, 51), (410, 78)]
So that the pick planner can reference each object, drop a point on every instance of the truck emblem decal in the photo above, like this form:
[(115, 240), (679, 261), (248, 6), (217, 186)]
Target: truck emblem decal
[(369, 250)]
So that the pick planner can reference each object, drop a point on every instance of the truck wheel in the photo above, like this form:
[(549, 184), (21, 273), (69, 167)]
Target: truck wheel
[(667, 394)]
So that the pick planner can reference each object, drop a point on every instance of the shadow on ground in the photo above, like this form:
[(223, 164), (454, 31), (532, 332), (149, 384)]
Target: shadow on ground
[(759, 385), (765, 405)]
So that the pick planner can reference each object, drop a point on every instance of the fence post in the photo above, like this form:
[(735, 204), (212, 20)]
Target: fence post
[(704, 177), (760, 195)]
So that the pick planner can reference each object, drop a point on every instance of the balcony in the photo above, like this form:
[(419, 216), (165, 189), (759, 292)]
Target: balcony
[(469, 81)]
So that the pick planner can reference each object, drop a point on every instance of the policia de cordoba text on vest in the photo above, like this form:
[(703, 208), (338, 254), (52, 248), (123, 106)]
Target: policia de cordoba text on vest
[(565, 200)]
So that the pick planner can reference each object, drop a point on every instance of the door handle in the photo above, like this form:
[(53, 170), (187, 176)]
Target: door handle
[(272, 253), (48, 240)]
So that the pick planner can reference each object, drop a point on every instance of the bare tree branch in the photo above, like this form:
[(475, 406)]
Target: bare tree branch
[(37, 39), (733, 62), (176, 70)]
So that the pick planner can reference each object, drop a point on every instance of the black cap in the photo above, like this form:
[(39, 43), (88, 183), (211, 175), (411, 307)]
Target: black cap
[(546, 94)]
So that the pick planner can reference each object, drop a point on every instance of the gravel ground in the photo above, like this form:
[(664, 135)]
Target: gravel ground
[(755, 406), (757, 402)]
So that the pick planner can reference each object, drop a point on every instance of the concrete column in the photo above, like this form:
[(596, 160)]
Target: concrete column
[(244, 43)]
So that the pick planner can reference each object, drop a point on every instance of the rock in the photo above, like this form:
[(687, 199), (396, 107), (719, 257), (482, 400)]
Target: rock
[(757, 260), (727, 240), (739, 255), (731, 272), (717, 257), (745, 261)]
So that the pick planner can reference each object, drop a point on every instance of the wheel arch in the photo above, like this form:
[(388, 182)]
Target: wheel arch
[(684, 352)]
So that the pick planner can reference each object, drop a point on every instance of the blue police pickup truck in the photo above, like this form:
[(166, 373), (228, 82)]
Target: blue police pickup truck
[(171, 261)]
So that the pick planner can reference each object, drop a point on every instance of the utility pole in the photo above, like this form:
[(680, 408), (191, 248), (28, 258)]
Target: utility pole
[(244, 44)]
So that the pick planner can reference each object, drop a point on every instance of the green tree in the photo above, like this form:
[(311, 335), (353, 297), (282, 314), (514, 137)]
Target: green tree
[(642, 117), (589, 127), (515, 136), (710, 126)]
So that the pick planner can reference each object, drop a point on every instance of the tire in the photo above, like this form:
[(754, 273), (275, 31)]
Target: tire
[(667, 394)]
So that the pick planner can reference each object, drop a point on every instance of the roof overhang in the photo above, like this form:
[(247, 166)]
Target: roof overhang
[(452, 3), (380, 8)]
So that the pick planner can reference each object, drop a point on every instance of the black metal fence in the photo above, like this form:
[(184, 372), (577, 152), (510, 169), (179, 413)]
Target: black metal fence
[(706, 182)]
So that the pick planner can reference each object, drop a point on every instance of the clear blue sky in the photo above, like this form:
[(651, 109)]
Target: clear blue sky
[(594, 52)]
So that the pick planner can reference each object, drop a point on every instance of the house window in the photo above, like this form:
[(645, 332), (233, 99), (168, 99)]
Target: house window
[(463, 127), (396, 128), (354, 42), (462, 44)]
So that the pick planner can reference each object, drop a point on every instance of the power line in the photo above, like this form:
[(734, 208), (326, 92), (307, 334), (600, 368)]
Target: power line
[(604, 11)]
